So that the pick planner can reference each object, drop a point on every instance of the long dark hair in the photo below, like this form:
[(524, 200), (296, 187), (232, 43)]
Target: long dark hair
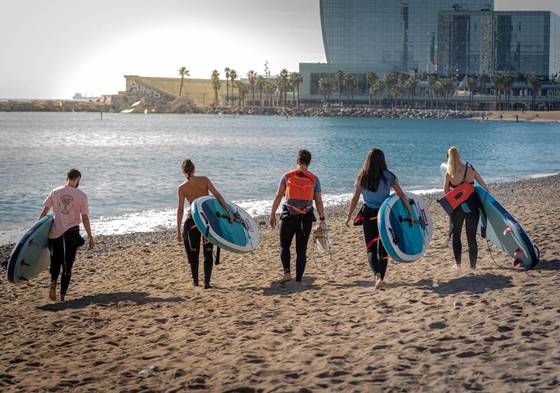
[(373, 170), (188, 168)]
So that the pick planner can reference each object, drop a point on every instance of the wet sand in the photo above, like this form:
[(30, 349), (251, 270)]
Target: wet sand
[(132, 321)]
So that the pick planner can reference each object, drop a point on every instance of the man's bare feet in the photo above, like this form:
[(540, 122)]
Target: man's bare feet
[(287, 277), (52, 292)]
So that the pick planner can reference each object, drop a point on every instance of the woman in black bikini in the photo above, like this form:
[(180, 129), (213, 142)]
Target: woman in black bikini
[(469, 211)]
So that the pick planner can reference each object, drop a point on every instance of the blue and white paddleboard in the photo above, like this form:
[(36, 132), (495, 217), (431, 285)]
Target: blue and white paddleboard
[(498, 225), (404, 241), (31, 254), (241, 236)]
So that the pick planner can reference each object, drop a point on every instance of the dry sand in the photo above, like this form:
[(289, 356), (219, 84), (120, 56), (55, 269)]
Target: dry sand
[(133, 322), (546, 117)]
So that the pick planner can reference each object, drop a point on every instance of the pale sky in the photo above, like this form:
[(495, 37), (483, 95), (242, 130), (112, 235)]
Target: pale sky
[(55, 48)]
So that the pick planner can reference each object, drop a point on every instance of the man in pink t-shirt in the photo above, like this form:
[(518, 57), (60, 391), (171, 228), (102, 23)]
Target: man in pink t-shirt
[(70, 208)]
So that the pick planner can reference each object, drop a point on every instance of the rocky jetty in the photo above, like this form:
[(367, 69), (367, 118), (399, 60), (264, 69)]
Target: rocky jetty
[(53, 106), (384, 113)]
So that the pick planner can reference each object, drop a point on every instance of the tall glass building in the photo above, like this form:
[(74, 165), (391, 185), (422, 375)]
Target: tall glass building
[(485, 42), (390, 34)]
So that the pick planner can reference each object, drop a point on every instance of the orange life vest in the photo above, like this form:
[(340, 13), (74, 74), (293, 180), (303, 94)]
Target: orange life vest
[(300, 191)]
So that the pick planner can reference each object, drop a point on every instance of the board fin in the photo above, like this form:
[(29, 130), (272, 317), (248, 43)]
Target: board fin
[(507, 231), (23, 263), (518, 251), (23, 278)]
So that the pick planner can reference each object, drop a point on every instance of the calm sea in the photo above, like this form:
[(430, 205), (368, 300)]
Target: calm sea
[(131, 163)]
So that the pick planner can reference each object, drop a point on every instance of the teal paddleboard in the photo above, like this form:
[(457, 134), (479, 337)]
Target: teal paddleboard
[(240, 236), (403, 240), (31, 254)]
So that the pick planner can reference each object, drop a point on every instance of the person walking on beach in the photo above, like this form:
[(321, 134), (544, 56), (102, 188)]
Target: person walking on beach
[(70, 207), (468, 212), (192, 188), (374, 183), (301, 188)]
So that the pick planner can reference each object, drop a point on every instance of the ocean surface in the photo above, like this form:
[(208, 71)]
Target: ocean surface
[(131, 164)]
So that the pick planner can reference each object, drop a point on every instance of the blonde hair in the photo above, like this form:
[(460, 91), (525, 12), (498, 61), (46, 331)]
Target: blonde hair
[(453, 160)]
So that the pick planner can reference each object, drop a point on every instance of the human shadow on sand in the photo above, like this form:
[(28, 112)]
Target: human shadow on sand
[(139, 298), (278, 289), (474, 284)]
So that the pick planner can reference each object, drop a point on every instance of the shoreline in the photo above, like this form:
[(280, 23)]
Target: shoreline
[(132, 320), (337, 213)]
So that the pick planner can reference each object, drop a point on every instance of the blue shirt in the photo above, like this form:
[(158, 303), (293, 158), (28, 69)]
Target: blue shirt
[(374, 199)]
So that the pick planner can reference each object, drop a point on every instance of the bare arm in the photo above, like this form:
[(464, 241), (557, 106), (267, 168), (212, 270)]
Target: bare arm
[(319, 203), (220, 199), (353, 203), (277, 199), (404, 199), (44, 212), (180, 212), (481, 181), (87, 226), (446, 182)]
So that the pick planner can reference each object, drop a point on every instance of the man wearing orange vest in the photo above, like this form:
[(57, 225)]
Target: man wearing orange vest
[(301, 188)]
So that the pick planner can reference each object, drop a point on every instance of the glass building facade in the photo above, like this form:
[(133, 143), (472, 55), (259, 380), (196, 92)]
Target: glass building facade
[(520, 42), (389, 34)]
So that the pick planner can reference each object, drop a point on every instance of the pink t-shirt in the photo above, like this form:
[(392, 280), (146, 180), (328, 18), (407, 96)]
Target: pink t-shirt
[(68, 205)]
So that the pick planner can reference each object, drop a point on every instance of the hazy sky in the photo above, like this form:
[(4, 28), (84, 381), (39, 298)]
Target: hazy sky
[(52, 49)]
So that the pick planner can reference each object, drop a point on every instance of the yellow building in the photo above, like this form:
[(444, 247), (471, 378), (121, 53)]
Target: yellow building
[(200, 91)]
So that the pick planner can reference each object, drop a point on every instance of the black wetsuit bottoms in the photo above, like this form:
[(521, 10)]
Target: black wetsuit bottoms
[(299, 226), (470, 219), (63, 251), (377, 256), (191, 239)]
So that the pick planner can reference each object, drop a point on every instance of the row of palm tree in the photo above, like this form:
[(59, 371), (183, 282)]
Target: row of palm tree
[(400, 87)]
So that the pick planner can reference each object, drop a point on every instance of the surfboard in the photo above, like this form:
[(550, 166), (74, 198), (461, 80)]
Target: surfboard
[(498, 225), (31, 254), (404, 241), (241, 236)]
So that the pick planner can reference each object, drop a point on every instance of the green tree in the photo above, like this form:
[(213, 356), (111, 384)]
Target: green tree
[(507, 85), (252, 78), (350, 85), (471, 85), (232, 78), (340, 78), (535, 86), (242, 90), (216, 85), (261, 85), (379, 89), (183, 73), (282, 82), (498, 83), (295, 81), (227, 71), (325, 88), (391, 81), (372, 79)]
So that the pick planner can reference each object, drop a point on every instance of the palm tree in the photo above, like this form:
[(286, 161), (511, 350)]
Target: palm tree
[(498, 82), (340, 77), (448, 88), (507, 85), (242, 90), (379, 89), (403, 79), (216, 85), (471, 85), (483, 81), (535, 85), (283, 84), (271, 90), (372, 79), (325, 88), (252, 78), (391, 81), (261, 84), (232, 78), (183, 72), (350, 84), (295, 80), (410, 87), (227, 70)]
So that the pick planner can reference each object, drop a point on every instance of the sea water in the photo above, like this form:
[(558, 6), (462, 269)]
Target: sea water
[(131, 164)]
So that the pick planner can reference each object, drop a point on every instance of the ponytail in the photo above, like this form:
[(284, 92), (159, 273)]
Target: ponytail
[(188, 168)]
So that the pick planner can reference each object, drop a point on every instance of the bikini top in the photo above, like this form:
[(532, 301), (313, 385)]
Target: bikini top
[(467, 166)]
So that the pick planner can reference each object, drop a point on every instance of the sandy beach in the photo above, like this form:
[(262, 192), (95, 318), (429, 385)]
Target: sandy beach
[(544, 117), (133, 322)]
